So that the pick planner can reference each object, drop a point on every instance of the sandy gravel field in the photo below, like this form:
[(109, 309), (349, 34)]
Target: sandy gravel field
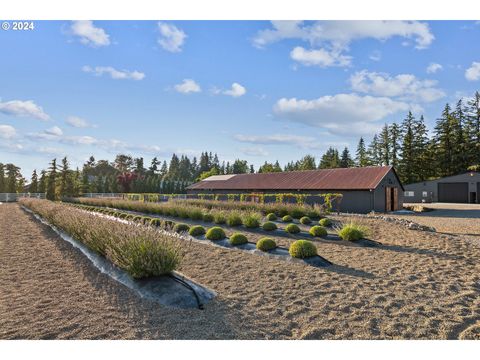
[(417, 285)]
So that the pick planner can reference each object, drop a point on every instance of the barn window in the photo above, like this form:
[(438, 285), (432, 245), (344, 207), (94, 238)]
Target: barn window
[(409, 193), (424, 193)]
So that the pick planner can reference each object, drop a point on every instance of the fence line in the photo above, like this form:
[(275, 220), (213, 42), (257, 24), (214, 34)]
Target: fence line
[(12, 197)]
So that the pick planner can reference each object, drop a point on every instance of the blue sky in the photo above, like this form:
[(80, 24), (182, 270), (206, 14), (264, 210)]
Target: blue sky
[(254, 90)]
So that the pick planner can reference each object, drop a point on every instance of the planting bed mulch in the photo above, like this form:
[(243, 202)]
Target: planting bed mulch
[(416, 285)]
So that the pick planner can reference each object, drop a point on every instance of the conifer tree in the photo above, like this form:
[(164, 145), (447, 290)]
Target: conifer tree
[(374, 152), (443, 135), (42, 184), (472, 129), (407, 164), (34, 182), (395, 138), (330, 159), (346, 160), (362, 156), (384, 146), (51, 192), (2, 178)]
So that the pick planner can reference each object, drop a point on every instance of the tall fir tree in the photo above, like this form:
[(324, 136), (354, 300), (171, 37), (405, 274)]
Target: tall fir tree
[(34, 183), (361, 158), (395, 139), (407, 164), (346, 160), (51, 191)]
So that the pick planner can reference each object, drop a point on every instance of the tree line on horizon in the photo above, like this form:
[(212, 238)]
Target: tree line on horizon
[(453, 147)]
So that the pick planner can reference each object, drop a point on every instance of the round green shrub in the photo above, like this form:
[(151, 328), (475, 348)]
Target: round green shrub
[(318, 231), (179, 228), (266, 244), (287, 218), (238, 239), (352, 232), (156, 222), (123, 215), (305, 220), (197, 230), (292, 229), (168, 224), (208, 217), (234, 220), (271, 217), (302, 249), (269, 226), (137, 218), (325, 222), (216, 233)]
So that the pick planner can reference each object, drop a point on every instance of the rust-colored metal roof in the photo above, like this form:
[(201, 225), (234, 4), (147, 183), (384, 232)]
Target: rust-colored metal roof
[(361, 178)]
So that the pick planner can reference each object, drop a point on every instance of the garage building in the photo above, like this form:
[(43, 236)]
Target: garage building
[(462, 188), (364, 189)]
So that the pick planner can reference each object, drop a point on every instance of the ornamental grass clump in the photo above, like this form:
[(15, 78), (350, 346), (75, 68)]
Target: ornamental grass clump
[(207, 217), (197, 230), (271, 217), (292, 229), (219, 217), (269, 226), (325, 222), (297, 212), (181, 228), (196, 214), (305, 220), (237, 239), (266, 244), (302, 249), (318, 231), (234, 219), (139, 250), (251, 220), (353, 231), (287, 218), (215, 233)]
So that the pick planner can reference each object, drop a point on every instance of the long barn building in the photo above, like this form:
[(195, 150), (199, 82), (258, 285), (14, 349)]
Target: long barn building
[(364, 189)]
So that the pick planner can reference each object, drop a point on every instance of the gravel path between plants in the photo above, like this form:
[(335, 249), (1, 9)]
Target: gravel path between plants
[(418, 285)]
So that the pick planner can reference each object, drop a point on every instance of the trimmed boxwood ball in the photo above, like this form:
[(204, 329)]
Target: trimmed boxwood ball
[(292, 229), (271, 217), (197, 230), (179, 228), (238, 239), (302, 249), (269, 226), (168, 224), (266, 244), (318, 231), (208, 217), (216, 233), (325, 222), (287, 218), (305, 220), (155, 222)]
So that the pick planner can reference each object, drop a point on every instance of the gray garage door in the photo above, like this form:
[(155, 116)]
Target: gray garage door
[(453, 192)]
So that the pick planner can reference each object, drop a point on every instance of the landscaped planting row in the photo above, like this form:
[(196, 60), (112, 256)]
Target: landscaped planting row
[(234, 221), (349, 231), (140, 251), (198, 208)]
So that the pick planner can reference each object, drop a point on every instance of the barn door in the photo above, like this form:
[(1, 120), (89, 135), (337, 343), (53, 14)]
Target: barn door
[(395, 199), (388, 199)]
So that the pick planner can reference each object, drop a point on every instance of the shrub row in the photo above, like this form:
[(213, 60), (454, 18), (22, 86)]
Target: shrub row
[(140, 251)]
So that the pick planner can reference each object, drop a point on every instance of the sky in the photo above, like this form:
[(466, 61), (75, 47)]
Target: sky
[(255, 90)]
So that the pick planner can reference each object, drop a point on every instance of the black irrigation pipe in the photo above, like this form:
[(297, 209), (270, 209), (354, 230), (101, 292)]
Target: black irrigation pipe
[(188, 286)]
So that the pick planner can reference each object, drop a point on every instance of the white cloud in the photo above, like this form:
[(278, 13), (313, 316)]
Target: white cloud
[(78, 122), (254, 151), (320, 57), (7, 132), (345, 114), (171, 37), (188, 86), (237, 90), (89, 34), (404, 86), (339, 34), (114, 73), (375, 56), (432, 68), (473, 72), (23, 109), (331, 39), (302, 142), (55, 131)]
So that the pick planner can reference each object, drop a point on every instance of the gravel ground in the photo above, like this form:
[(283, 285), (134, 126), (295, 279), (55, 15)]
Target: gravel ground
[(416, 286)]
